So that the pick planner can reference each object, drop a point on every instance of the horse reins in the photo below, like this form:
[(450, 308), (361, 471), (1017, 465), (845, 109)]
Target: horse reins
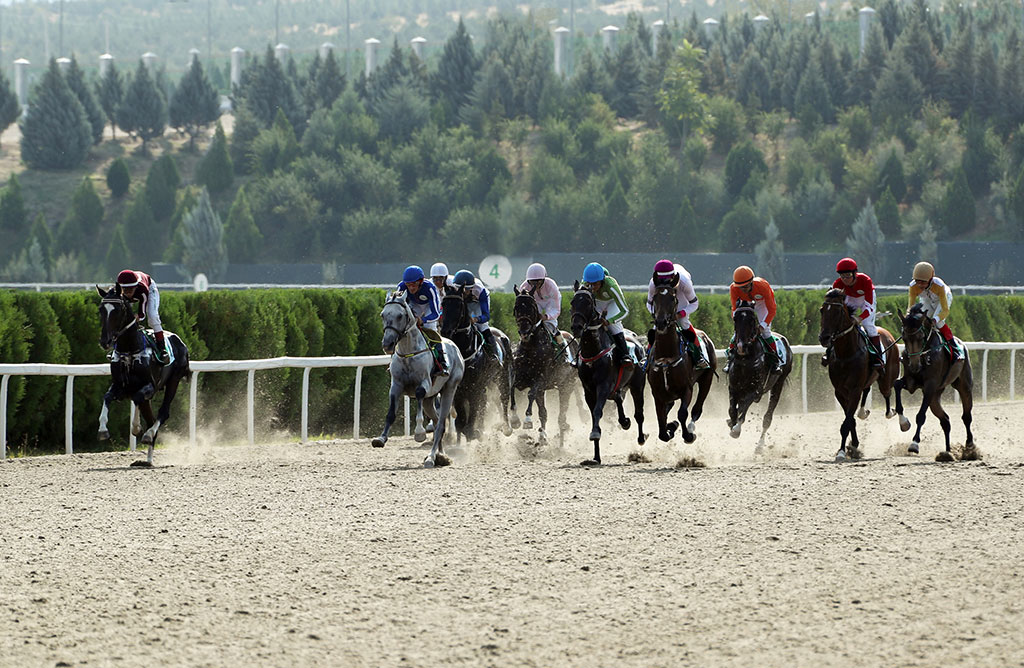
[(402, 333)]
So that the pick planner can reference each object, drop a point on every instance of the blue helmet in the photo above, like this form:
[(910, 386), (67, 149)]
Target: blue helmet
[(593, 273), (412, 273), (464, 277)]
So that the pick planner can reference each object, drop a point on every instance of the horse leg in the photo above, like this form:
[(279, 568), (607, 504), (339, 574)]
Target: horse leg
[(390, 419), (624, 421), (766, 421), (939, 412), (847, 425), (504, 381), (703, 388), (636, 390), (104, 434), (420, 433), (689, 434), (437, 456), (163, 414), (922, 414), (898, 386), (963, 386), (666, 430), (531, 396), (564, 395), (863, 413), (542, 415), (596, 397)]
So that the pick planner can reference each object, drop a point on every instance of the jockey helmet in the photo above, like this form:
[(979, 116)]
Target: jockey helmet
[(664, 268), (536, 271), (439, 269), (412, 273), (464, 277), (846, 264), (127, 279), (593, 273), (924, 271), (742, 274)]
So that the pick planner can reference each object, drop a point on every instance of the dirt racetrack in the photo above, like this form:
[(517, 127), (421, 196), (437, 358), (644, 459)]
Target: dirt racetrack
[(338, 554)]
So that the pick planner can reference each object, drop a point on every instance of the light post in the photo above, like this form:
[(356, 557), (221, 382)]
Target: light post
[(60, 32), (277, 22), (348, 43)]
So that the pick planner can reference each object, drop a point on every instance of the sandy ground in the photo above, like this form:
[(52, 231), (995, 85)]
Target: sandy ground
[(334, 553)]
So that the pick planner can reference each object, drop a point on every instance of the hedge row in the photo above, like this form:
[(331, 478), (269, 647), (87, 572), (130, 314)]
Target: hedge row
[(63, 328)]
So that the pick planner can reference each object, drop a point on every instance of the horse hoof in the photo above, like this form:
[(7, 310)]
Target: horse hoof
[(735, 431), (759, 449), (428, 463), (142, 463), (840, 456), (890, 414), (689, 437), (515, 422), (527, 423), (104, 435), (590, 463), (506, 430), (914, 448), (430, 426), (970, 453), (595, 435), (863, 413), (641, 439), (904, 423), (944, 456), (692, 426), (420, 436), (147, 439), (378, 442), (442, 460), (626, 424), (855, 453)]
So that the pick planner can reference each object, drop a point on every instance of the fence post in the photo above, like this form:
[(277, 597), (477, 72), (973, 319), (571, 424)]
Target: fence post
[(406, 415), (984, 375), (305, 403), (3, 417), (69, 427), (356, 402), (1013, 374), (193, 409), (131, 423), (803, 381), (250, 400)]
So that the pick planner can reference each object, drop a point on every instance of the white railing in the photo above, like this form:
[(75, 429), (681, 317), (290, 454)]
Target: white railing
[(307, 364)]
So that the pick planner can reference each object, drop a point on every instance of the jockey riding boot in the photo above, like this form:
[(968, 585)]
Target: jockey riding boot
[(492, 345), (879, 360), (621, 351), (699, 361), (563, 346), (161, 347), (440, 358), (776, 360), (947, 334), (729, 352)]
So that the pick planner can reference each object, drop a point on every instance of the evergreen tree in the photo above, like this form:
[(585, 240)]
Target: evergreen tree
[(898, 94), (680, 96), (978, 160), (143, 112), (329, 83), (265, 89), (888, 213), (735, 231), (743, 161), (76, 81), (13, 216), (203, 234), (959, 78), (195, 104), (915, 47), (56, 135), (9, 107), (891, 177), (813, 95), (928, 250), (958, 208), (753, 87), (40, 233), (110, 93), (589, 78), (241, 236), (456, 73), (118, 178), (29, 266), (986, 82), (118, 257), (141, 231), (247, 128), (626, 81), (85, 217), (771, 254), (215, 170), (867, 242), (832, 71), (161, 186), (1011, 85)]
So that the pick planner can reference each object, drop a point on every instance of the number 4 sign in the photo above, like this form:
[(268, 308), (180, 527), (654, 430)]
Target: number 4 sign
[(495, 271)]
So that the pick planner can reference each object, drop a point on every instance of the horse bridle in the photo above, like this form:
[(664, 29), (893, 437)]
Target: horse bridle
[(853, 324), (469, 324), (402, 333), (663, 290), (593, 323), (744, 309)]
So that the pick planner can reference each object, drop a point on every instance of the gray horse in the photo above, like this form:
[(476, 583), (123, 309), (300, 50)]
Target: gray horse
[(411, 364)]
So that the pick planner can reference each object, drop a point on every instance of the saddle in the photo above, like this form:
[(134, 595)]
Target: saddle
[(147, 335)]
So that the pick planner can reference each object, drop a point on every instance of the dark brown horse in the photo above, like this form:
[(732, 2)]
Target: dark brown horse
[(600, 374), (671, 372), (750, 372), (850, 369), (928, 365)]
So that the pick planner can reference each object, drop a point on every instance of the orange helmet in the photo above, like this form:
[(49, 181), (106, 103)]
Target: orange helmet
[(742, 274)]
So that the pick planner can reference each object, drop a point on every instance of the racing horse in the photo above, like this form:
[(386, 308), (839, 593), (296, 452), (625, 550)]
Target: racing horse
[(134, 370), (850, 368), (538, 366), (481, 369), (750, 371), (928, 365), (601, 376), (411, 365), (671, 372)]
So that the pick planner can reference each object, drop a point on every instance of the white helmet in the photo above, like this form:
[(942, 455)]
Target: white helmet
[(536, 271), (439, 269)]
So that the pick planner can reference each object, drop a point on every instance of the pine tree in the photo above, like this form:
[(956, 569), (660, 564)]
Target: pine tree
[(978, 160), (986, 82), (29, 266), (867, 242), (143, 111), (247, 128), (76, 81), (958, 207), (456, 73), (743, 161), (84, 219), (215, 170), (13, 216), (928, 250), (329, 82), (141, 230), (626, 82), (56, 135), (241, 236), (898, 94), (9, 107), (40, 233), (204, 241), (161, 184), (118, 178), (118, 257), (888, 213), (195, 104), (771, 254), (265, 88), (110, 93), (891, 177), (812, 94), (959, 78), (734, 233)]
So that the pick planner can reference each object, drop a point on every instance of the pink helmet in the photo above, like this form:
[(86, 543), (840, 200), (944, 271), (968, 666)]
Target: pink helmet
[(664, 268), (536, 271)]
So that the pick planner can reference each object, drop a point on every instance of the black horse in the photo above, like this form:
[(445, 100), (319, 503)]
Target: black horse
[(482, 370), (850, 369), (750, 371), (671, 372), (537, 366), (927, 364), (601, 375), (134, 370)]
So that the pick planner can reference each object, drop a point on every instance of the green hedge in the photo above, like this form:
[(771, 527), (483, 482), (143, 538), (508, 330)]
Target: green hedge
[(63, 327)]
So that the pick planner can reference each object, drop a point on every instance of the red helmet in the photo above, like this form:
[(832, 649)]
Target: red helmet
[(127, 278), (846, 264)]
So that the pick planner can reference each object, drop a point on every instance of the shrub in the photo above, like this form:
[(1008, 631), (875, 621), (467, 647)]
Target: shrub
[(118, 178)]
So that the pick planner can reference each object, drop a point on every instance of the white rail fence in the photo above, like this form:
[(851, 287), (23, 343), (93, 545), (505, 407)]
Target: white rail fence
[(307, 364)]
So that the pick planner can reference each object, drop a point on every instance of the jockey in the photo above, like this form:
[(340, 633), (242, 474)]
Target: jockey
[(440, 277), (608, 296), (478, 300), (667, 273), (936, 296), (746, 287), (860, 296), (135, 286), (549, 302), (426, 306)]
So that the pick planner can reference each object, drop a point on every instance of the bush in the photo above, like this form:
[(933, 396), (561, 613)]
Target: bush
[(118, 178)]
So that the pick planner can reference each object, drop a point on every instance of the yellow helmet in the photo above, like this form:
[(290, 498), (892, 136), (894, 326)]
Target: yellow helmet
[(924, 271), (742, 274)]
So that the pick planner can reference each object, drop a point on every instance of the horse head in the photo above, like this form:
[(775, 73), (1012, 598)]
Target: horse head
[(665, 304), (583, 310), (454, 314), (746, 326), (836, 317), (116, 316), (398, 320), (526, 313), (916, 330)]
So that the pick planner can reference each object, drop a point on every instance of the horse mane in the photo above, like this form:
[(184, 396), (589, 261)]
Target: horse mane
[(835, 295)]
